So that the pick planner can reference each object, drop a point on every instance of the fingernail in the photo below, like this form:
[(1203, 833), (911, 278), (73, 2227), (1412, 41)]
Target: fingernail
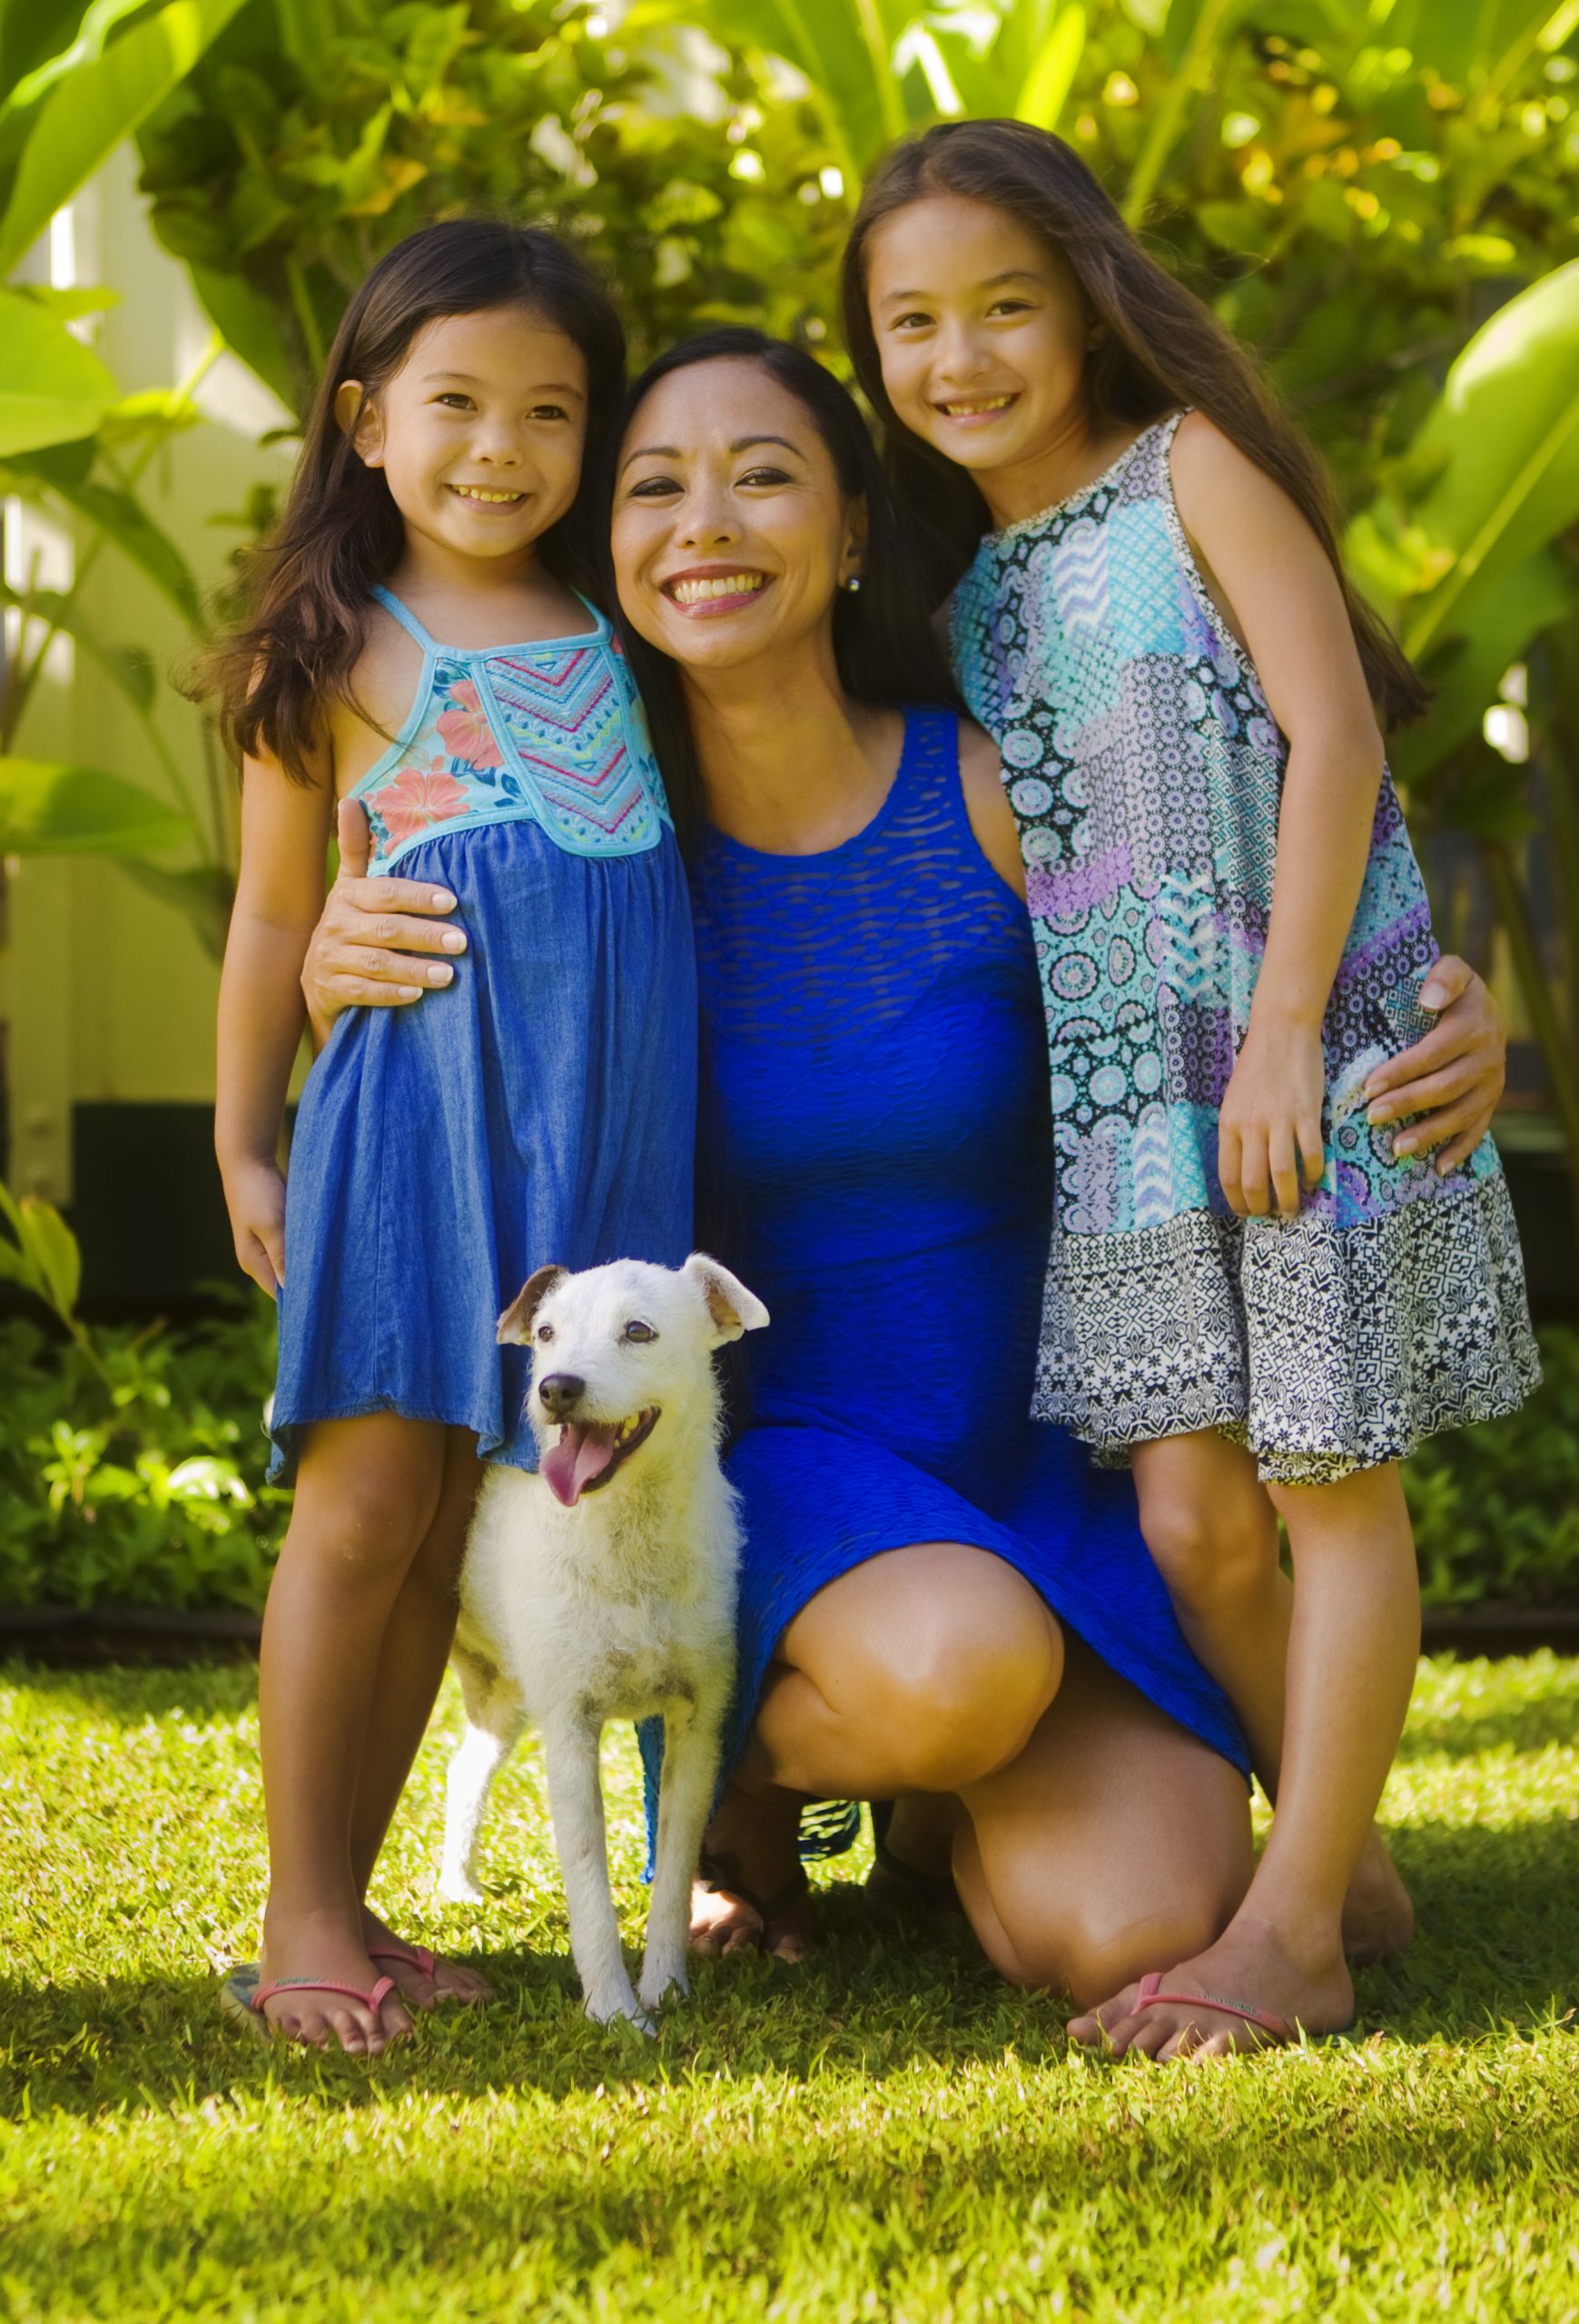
[(1404, 1145), (440, 973), (1381, 1113), (443, 901), (453, 941), (410, 992)]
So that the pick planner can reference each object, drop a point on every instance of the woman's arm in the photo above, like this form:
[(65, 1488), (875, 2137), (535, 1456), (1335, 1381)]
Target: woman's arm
[(366, 951), (278, 897), (1274, 586)]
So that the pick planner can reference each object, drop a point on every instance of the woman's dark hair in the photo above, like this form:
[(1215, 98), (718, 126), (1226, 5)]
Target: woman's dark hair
[(884, 642), (1162, 348), (340, 531)]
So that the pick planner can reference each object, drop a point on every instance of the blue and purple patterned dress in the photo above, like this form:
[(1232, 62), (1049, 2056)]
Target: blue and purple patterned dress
[(542, 1106), (1145, 771)]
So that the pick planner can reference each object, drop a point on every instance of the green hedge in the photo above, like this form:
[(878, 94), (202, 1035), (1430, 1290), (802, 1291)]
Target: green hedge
[(131, 1474)]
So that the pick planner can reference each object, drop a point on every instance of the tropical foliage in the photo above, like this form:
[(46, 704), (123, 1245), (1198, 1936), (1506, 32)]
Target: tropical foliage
[(1383, 197)]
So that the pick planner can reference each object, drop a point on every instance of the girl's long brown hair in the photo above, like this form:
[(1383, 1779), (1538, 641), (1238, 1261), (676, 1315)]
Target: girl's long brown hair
[(1161, 348), (340, 531)]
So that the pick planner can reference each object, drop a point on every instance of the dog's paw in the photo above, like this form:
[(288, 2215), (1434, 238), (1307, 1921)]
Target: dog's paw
[(620, 2009), (657, 1986), (460, 1888)]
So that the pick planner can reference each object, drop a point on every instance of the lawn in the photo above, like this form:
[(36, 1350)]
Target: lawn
[(886, 2133)]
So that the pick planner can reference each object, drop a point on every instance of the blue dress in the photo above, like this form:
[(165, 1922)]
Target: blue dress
[(874, 1160), (541, 1107)]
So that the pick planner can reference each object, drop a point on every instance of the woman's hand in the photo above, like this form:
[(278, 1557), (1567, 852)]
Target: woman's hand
[(1269, 1128), (366, 951), (255, 1198), (1451, 1078)]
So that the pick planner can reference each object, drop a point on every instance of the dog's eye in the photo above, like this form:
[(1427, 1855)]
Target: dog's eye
[(545, 1331), (638, 1331)]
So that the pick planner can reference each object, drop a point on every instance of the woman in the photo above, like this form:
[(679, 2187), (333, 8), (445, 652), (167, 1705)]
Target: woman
[(939, 1601)]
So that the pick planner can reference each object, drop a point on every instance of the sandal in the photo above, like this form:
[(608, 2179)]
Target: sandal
[(242, 1996), (719, 1870), (422, 1959), (895, 1890)]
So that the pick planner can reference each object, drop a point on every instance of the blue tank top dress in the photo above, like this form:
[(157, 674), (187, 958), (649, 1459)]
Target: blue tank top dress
[(874, 1160), (542, 1106)]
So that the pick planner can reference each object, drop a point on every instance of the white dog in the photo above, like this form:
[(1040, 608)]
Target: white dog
[(604, 1588)]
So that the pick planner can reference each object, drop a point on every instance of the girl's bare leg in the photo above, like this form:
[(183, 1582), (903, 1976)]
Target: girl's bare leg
[(368, 1492), (417, 1642), (924, 1670), (1211, 1526), (1351, 1666)]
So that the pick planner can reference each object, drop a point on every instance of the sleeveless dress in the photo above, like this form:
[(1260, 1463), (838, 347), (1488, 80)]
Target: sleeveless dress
[(539, 1107), (873, 1160), (1145, 771)]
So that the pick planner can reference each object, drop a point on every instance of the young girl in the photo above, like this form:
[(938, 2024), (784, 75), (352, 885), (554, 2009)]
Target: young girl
[(417, 646), (1256, 1294)]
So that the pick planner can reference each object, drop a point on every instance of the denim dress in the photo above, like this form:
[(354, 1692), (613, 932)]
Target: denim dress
[(539, 1108)]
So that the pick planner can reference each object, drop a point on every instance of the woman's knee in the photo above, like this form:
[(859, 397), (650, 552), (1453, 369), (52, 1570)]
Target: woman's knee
[(961, 1692)]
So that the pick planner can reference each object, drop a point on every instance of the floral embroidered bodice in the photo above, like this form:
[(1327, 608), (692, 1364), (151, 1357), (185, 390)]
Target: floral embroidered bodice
[(550, 732)]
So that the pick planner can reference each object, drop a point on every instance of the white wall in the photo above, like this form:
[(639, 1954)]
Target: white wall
[(108, 992)]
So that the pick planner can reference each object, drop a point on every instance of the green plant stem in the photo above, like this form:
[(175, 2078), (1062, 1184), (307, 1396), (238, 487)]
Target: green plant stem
[(1166, 121)]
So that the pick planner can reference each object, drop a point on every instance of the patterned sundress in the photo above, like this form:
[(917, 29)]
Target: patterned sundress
[(1145, 772)]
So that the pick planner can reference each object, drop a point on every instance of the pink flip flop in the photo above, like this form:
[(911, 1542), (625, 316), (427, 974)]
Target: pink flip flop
[(415, 1956), (1151, 1993), (242, 1995)]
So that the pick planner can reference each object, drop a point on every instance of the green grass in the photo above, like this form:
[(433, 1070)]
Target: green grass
[(886, 2133)]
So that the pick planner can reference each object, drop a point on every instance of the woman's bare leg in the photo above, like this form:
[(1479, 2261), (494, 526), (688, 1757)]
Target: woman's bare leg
[(368, 1491), (1352, 1654), (1116, 1839), (923, 1670), (417, 1642), (1211, 1527)]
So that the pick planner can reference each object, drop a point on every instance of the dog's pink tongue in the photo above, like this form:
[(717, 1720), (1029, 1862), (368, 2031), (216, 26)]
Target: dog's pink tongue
[(584, 1450)]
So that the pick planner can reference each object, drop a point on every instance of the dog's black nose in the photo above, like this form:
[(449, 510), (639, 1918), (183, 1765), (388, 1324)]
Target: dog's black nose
[(561, 1391)]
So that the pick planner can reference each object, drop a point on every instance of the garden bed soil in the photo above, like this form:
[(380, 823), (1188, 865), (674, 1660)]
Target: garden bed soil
[(73, 1634)]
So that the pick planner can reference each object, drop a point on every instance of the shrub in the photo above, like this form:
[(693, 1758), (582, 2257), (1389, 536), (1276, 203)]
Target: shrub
[(132, 1464), (1497, 1508)]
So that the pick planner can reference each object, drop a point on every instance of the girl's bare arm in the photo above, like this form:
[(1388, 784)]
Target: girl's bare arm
[(1275, 586), (278, 897)]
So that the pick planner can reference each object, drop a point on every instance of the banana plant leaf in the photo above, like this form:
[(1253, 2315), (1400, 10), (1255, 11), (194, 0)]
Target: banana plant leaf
[(49, 807), (53, 390), (1532, 598), (1492, 476), (113, 510), (97, 103)]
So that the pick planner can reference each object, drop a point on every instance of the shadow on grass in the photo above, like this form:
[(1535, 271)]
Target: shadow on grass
[(133, 1692), (1494, 1953)]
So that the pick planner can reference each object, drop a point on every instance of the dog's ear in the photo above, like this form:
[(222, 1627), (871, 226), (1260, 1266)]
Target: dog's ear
[(733, 1308), (515, 1326)]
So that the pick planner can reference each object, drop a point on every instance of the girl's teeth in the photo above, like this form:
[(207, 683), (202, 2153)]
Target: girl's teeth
[(728, 584), (986, 403), (476, 492)]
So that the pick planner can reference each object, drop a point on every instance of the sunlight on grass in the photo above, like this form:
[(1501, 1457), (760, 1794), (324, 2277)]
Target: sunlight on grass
[(888, 2132)]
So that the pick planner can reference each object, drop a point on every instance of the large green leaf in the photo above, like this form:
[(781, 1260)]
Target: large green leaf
[(91, 108), (1530, 599), (248, 327), (1498, 455), (130, 666), (120, 515), (50, 808), (53, 390)]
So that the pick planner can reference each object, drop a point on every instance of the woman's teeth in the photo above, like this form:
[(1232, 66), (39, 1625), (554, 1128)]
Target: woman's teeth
[(726, 585), (967, 408), (476, 492)]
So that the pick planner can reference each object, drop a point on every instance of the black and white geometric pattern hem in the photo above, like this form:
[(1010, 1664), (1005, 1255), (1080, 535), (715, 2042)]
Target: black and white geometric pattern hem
[(1320, 1349)]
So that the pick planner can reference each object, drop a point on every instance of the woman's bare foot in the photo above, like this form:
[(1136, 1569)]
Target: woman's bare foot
[(1378, 1919), (449, 1980), (755, 1837), (321, 1944), (1251, 1965)]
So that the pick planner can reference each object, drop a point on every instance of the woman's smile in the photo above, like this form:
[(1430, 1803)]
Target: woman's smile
[(709, 590)]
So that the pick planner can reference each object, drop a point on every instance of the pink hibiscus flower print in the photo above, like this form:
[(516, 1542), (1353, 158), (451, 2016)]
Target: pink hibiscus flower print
[(417, 798), (464, 729)]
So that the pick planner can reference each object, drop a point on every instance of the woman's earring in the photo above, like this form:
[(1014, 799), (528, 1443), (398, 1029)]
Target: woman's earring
[(852, 583)]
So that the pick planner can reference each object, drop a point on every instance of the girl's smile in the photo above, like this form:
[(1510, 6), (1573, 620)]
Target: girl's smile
[(983, 335)]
